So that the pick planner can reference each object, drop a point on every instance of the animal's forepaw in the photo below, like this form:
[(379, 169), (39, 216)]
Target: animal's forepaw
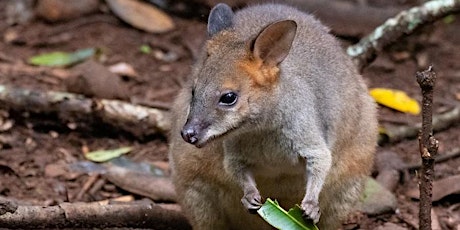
[(311, 210), (252, 201)]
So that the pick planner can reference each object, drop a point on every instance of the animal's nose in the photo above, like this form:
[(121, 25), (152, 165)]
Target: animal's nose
[(189, 135)]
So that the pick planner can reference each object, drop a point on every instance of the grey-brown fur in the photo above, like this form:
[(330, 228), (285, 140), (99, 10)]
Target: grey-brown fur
[(306, 137)]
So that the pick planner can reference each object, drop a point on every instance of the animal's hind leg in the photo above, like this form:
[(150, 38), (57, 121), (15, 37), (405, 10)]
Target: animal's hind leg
[(202, 208), (337, 200)]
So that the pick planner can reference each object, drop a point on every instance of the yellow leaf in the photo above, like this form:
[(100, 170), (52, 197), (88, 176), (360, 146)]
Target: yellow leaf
[(106, 155), (395, 99)]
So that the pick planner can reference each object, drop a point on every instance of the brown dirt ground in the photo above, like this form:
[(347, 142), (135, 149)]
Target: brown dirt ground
[(31, 147)]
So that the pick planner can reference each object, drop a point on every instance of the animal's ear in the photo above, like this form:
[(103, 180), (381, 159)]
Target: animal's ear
[(273, 43), (220, 18)]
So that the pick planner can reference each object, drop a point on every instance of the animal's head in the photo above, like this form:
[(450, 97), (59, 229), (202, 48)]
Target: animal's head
[(234, 81)]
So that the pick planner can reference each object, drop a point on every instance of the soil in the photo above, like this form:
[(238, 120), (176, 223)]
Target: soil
[(32, 146)]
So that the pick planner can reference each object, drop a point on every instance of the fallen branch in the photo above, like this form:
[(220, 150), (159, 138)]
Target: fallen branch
[(138, 120), (7, 206), (365, 51), (93, 215), (437, 159), (338, 15), (441, 122), (428, 147), (141, 183)]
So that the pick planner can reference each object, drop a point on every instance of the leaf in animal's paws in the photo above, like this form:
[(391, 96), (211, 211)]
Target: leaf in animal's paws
[(311, 210), (252, 201)]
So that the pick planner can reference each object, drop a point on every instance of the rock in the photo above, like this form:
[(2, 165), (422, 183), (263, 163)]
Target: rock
[(376, 199), (61, 10)]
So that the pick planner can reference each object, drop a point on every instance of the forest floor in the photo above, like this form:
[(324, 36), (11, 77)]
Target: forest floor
[(33, 147)]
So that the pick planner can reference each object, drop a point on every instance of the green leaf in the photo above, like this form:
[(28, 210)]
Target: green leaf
[(105, 155), (145, 49), (449, 19), (276, 216), (60, 59)]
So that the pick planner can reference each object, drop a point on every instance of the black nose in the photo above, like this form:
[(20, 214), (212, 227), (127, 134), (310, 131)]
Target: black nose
[(189, 135)]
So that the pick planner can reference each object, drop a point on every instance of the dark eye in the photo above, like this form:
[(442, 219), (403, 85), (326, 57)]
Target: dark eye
[(228, 99)]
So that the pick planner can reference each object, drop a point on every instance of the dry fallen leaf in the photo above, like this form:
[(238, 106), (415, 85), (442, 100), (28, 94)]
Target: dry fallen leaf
[(127, 198), (56, 169), (6, 124), (141, 15), (123, 69), (58, 10)]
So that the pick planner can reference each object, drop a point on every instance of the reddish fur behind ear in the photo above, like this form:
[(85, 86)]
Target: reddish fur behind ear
[(270, 47), (261, 74)]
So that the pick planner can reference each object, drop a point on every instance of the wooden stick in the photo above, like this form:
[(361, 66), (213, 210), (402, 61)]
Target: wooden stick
[(428, 147)]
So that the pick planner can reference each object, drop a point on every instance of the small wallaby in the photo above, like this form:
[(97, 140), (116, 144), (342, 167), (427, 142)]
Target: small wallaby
[(273, 108)]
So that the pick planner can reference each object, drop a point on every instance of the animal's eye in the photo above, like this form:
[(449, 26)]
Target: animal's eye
[(228, 99)]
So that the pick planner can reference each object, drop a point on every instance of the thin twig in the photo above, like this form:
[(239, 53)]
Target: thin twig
[(365, 51), (96, 186), (428, 147), (86, 186)]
